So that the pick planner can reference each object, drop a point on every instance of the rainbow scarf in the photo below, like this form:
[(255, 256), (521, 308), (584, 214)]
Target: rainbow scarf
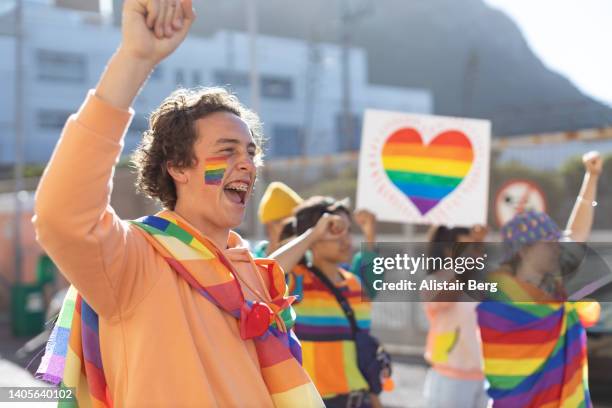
[(534, 352), (72, 357)]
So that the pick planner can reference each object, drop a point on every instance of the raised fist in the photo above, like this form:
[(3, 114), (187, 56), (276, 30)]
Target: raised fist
[(329, 227), (153, 29), (593, 163)]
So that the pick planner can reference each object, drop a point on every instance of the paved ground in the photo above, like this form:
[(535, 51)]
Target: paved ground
[(409, 378), (13, 374)]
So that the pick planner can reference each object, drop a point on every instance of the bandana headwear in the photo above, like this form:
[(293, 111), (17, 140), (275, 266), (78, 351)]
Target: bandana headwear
[(75, 343), (527, 228)]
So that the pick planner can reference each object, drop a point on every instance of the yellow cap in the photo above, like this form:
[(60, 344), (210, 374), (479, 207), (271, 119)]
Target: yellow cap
[(278, 202)]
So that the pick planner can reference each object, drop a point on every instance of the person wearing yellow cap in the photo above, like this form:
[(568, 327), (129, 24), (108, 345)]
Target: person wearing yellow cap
[(276, 206)]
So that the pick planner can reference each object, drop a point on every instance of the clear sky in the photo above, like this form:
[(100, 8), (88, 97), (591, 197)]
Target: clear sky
[(572, 37)]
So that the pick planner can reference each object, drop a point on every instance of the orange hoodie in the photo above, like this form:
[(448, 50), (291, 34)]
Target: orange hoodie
[(162, 343)]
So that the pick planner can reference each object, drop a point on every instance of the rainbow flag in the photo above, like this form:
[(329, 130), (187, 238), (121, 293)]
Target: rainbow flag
[(72, 357), (534, 353), (427, 174), (214, 169), (210, 273)]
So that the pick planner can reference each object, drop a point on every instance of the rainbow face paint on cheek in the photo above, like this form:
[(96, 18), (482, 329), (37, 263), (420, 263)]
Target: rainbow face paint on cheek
[(214, 169)]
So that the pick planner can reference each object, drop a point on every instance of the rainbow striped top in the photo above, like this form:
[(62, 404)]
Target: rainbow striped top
[(329, 354)]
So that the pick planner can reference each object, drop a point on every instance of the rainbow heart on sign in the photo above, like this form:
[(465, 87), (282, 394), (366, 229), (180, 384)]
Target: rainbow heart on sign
[(427, 173)]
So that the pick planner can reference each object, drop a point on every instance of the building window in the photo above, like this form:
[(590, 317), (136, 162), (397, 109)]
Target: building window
[(276, 87), (234, 79), (179, 77), (61, 66), (348, 139), (288, 140), (52, 119)]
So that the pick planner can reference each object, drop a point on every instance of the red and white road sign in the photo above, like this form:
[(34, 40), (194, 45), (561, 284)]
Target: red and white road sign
[(516, 196)]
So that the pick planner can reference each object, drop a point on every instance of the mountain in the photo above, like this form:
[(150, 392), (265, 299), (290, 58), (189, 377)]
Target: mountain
[(473, 58)]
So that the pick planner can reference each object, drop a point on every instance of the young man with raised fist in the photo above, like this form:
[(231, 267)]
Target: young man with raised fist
[(170, 309)]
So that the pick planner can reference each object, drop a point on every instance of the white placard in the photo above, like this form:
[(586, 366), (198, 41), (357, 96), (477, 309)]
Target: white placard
[(424, 169)]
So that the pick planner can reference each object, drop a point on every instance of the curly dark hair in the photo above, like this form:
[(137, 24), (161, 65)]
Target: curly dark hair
[(172, 135)]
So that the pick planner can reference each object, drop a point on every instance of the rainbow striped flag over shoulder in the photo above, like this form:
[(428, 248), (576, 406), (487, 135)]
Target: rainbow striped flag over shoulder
[(534, 352), (72, 357)]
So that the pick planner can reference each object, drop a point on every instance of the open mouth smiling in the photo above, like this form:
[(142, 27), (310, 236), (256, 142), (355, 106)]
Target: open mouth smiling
[(236, 191)]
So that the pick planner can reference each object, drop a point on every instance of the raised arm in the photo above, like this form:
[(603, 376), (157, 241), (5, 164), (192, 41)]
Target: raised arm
[(290, 254), (580, 221), (367, 223), (151, 30), (97, 252)]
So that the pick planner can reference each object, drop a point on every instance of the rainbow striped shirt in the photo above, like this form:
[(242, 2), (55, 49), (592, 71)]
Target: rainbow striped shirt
[(329, 354)]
